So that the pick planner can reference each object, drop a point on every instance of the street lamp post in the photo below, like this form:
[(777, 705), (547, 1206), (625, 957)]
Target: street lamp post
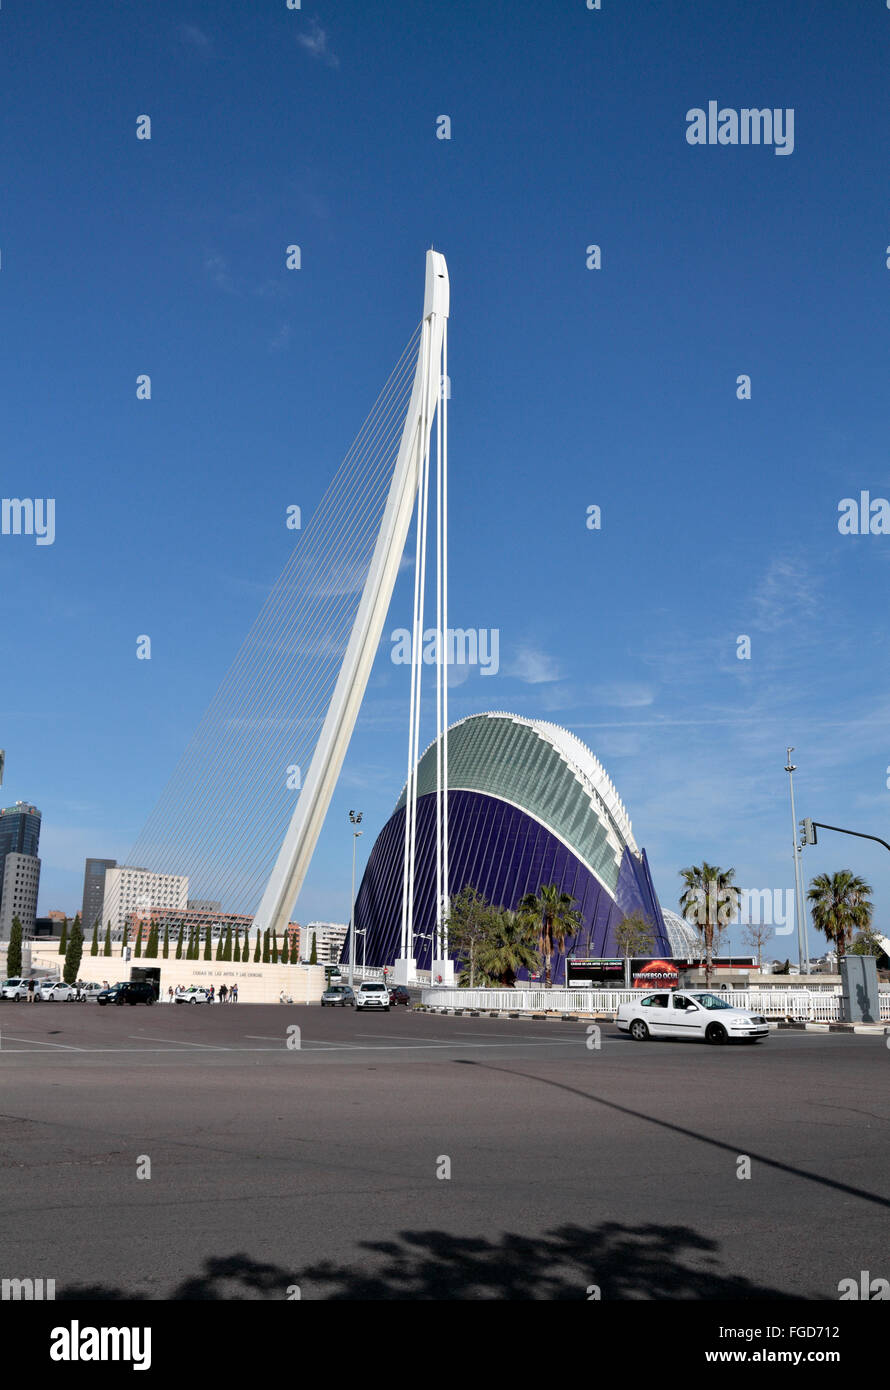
[(802, 945), (355, 818)]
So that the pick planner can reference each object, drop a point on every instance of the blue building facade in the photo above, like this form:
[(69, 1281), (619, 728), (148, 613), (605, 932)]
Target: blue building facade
[(529, 804)]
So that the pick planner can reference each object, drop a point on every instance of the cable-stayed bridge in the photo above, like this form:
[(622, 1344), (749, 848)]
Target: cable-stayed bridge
[(243, 810)]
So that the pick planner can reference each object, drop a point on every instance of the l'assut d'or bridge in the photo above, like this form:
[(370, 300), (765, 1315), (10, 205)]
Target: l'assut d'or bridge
[(291, 698)]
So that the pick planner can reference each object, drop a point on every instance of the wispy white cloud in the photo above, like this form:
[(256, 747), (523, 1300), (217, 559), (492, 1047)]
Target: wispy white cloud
[(316, 44), (216, 268), (785, 593), (193, 42), (624, 694), (532, 666)]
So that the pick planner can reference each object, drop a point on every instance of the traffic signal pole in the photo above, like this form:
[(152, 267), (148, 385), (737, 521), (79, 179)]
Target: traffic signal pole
[(813, 825)]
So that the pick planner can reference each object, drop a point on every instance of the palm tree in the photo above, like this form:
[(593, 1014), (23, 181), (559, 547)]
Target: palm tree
[(710, 900), (558, 918), (840, 903), (509, 946)]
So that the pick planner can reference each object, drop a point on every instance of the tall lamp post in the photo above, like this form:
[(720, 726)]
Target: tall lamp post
[(355, 818), (802, 945)]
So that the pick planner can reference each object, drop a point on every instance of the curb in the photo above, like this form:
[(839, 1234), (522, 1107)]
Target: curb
[(795, 1025)]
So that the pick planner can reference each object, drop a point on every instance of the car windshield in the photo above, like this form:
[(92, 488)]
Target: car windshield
[(373, 989), (710, 1001)]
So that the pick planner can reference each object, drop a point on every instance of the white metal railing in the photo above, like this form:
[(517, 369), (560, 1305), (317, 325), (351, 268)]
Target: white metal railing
[(814, 1006)]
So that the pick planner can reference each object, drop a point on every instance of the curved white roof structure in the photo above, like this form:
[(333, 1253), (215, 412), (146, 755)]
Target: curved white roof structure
[(547, 772)]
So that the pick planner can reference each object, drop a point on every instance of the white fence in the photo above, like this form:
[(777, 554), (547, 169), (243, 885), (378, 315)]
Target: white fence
[(814, 1006)]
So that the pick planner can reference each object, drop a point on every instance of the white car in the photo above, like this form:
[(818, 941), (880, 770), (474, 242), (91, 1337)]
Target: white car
[(88, 993), (15, 988), (192, 996), (372, 996), (692, 1013), (54, 991)]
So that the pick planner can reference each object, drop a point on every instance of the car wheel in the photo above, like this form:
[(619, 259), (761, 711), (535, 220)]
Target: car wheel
[(715, 1033), (638, 1030), (149, 1001)]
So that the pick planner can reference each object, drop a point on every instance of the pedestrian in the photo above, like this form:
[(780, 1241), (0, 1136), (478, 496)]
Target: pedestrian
[(210, 996), (30, 991), (233, 996), (222, 994), (170, 995)]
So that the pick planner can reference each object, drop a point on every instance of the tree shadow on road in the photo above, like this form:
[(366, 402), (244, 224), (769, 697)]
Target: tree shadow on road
[(613, 1261)]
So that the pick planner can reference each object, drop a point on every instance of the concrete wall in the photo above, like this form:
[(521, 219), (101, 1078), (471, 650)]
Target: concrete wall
[(257, 983)]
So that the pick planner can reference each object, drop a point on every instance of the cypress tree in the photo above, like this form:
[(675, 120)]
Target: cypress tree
[(313, 958), (107, 949), (73, 953), (284, 957), (138, 950), (14, 950), (94, 949), (256, 954), (237, 951), (152, 947), (63, 939), (179, 942), (227, 948), (220, 942), (166, 951), (266, 951), (274, 948), (208, 955)]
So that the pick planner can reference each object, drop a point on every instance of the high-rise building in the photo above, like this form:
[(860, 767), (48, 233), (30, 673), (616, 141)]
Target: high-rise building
[(19, 834), (134, 890), (94, 891), (329, 938), (21, 882)]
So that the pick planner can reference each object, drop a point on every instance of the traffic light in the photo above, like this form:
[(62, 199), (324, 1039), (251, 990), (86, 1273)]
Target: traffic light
[(807, 832)]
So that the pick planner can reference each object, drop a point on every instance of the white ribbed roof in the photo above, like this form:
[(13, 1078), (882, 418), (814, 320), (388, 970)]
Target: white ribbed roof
[(584, 764)]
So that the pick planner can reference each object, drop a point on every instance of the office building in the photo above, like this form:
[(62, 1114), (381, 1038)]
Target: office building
[(94, 891)]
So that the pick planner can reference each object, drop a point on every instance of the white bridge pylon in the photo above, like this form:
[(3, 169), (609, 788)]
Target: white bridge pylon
[(410, 481)]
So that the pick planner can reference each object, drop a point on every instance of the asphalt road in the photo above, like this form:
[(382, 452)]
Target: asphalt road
[(318, 1166)]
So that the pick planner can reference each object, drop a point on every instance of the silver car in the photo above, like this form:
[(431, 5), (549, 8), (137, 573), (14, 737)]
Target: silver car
[(338, 994)]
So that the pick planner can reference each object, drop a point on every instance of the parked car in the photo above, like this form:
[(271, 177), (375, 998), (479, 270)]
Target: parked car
[(398, 994), (15, 989), (194, 995), (89, 991), (338, 994), (128, 992), (697, 1014), (55, 991), (372, 996)]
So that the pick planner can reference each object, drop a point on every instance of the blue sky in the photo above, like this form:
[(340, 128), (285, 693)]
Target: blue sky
[(570, 388)]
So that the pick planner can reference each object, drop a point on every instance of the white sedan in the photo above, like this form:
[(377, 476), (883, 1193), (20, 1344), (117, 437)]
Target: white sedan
[(55, 990), (192, 996), (693, 1013)]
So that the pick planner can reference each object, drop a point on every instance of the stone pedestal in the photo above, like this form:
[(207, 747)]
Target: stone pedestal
[(404, 970)]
